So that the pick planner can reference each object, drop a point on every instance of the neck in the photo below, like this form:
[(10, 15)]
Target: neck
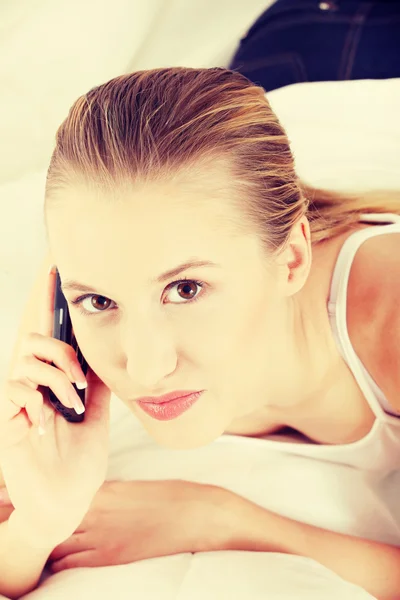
[(321, 399), (315, 351), (314, 359), (320, 396)]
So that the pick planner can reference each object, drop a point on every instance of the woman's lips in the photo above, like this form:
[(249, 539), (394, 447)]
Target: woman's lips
[(169, 410)]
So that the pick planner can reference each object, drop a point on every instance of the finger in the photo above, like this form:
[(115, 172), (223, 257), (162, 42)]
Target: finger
[(49, 350), (17, 397), (27, 382), (45, 375), (48, 307), (33, 405), (78, 559), (75, 543)]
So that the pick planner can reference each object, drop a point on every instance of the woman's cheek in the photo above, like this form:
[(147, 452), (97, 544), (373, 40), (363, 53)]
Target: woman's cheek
[(98, 350)]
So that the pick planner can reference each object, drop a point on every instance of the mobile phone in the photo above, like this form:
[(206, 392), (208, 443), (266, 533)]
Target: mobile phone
[(62, 330)]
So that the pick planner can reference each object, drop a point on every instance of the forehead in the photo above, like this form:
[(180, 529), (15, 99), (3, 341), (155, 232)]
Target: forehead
[(151, 209), (163, 223)]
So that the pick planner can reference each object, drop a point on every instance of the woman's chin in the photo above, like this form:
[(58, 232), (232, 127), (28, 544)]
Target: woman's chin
[(179, 436)]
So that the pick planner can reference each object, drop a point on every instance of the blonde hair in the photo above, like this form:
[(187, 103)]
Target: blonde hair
[(150, 125)]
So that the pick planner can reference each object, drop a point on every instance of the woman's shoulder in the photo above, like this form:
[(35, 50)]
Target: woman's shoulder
[(373, 311)]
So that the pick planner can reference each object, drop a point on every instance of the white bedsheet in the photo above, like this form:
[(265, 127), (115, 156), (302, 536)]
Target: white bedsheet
[(206, 576), (325, 495), (43, 67)]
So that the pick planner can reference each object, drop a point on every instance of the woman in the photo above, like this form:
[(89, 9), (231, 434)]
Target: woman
[(241, 296), (312, 40)]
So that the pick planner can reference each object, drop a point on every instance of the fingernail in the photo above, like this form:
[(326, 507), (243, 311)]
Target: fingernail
[(81, 385), (76, 402), (52, 268), (42, 419), (78, 377)]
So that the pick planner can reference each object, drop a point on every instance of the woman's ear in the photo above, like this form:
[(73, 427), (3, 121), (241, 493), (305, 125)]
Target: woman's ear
[(295, 259)]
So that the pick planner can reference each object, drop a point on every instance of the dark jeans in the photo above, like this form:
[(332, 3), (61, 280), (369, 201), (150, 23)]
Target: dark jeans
[(308, 40)]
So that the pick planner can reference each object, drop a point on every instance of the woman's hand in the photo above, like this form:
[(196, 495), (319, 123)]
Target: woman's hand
[(51, 479), (134, 520)]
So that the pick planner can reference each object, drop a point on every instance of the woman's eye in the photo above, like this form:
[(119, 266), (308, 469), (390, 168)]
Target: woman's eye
[(186, 290), (89, 302)]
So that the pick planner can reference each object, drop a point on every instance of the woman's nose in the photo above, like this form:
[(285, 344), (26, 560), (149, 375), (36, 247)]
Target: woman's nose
[(150, 354)]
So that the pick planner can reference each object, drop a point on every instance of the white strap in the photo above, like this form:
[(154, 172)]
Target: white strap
[(337, 304)]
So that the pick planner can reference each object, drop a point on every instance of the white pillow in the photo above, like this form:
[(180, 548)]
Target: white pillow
[(51, 52), (344, 134)]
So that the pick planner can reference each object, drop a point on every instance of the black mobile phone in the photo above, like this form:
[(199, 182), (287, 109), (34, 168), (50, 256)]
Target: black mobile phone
[(62, 330)]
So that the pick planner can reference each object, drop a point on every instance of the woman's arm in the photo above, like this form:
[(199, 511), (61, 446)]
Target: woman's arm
[(30, 317), (370, 565), (21, 560)]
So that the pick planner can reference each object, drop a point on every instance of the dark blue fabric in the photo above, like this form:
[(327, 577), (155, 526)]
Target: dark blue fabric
[(308, 40)]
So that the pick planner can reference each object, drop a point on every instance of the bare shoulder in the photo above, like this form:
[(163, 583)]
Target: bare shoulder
[(373, 314)]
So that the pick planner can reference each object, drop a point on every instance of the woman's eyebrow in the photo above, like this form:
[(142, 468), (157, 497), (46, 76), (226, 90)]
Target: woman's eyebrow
[(192, 263), (70, 284)]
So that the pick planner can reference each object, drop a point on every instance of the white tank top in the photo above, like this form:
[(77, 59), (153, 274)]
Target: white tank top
[(379, 450)]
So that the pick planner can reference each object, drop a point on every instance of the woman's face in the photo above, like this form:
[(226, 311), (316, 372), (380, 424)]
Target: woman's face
[(226, 334)]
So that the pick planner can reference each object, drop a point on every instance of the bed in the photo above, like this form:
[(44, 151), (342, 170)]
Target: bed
[(53, 51)]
